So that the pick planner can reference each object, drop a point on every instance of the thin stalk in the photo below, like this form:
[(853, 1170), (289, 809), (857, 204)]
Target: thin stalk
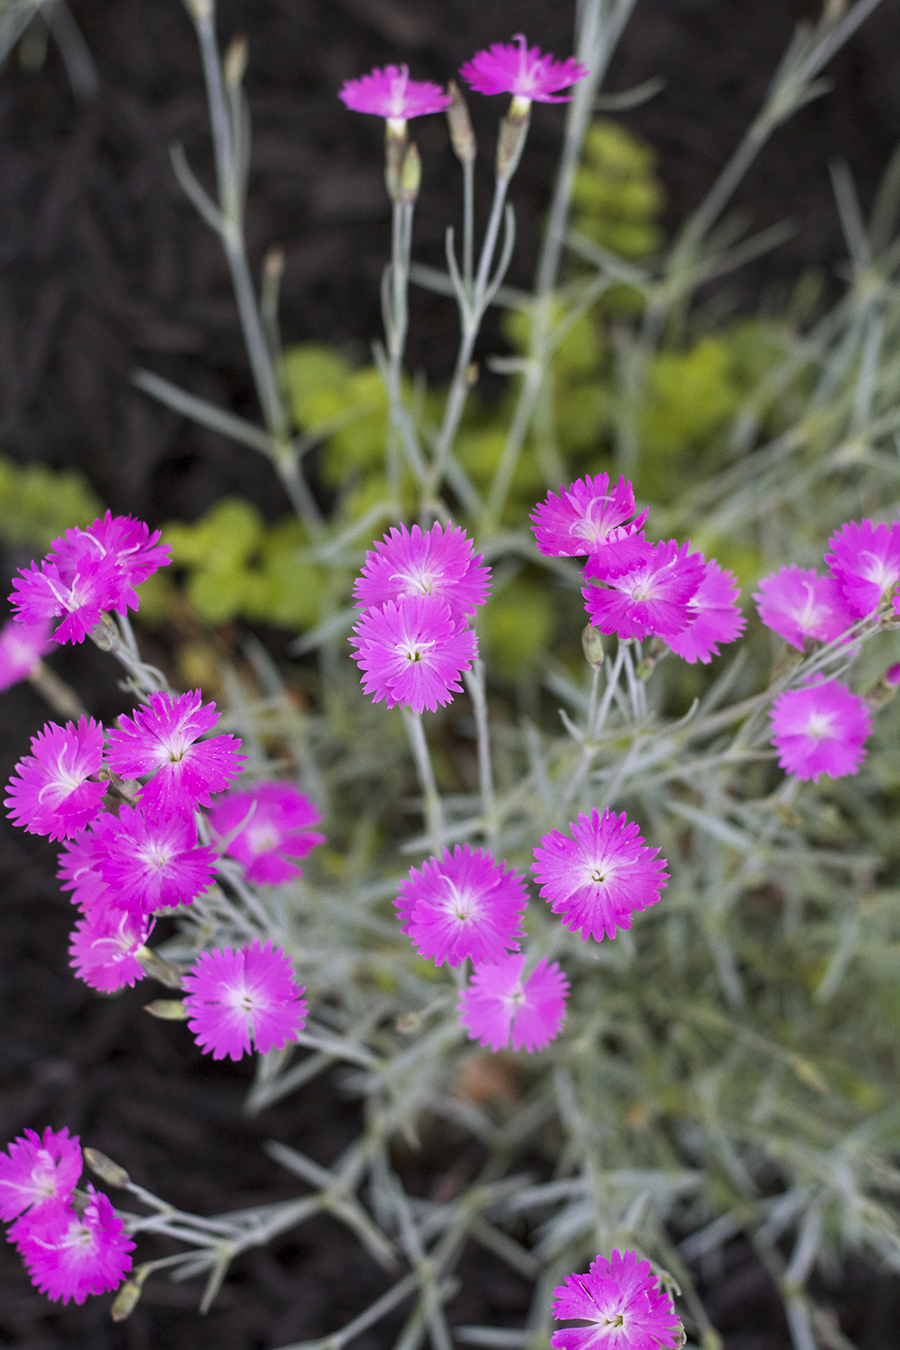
[(434, 811), (475, 685)]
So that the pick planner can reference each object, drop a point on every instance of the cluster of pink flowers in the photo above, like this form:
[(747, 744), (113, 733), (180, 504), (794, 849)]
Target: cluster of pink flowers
[(504, 68), (658, 590), (621, 1304), (72, 1242), (822, 727), (467, 905), (86, 574), (418, 589)]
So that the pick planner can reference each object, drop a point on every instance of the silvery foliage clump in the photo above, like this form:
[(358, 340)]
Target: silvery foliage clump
[(727, 1066)]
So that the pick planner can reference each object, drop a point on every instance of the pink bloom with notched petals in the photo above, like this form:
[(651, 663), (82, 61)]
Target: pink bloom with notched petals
[(622, 1304), (598, 877), (83, 594), (413, 652), (162, 738), (500, 1006), (127, 542), (276, 831), (586, 516), (151, 862), (865, 559), (69, 1256), (53, 793), (38, 1171), (236, 996), (390, 93), (797, 603), (648, 595), (79, 874), (714, 617), (517, 69), (21, 647), (104, 949), (463, 904), (820, 728), (437, 562)]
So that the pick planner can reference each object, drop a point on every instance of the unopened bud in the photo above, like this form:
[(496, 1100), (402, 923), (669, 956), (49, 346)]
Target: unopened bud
[(471, 375), (199, 9), (273, 266), (159, 968), (105, 1168), (410, 175), (462, 137), (513, 132), (125, 1301), (167, 1010), (592, 645), (235, 62)]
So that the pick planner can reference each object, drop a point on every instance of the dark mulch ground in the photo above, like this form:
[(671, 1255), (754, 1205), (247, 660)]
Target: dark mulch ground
[(103, 266)]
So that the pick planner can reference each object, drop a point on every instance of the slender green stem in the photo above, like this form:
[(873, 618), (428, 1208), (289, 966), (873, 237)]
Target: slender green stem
[(434, 811), (475, 683)]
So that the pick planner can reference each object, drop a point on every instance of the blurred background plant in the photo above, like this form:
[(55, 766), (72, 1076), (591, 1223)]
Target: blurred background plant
[(729, 1068)]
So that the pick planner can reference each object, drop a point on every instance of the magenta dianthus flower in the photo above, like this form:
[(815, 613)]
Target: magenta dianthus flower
[(21, 647), (163, 739), (647, 594), (38, 1171), (517, 69), (499, 1005), (79, 874), (128, 543), (437, 562), (82, 594), (150, 863), (104, 949), (820, 728), (797, 603), (865, 559), (53, 793), (391, 94), (413, 652), (585, 517), (714, 617), (69, 1255), (463, 904), (596, 879), (622, 1305), (233, 996), (277, 832)]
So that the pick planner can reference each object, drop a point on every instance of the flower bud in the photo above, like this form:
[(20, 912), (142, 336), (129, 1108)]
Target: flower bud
[(592, 645), (235, 62), (395, 144), (159, 968), (511, 141), (105, 1168), (462, 137), (410, 175), (199, 9), (125, 1301), (167, 1009)]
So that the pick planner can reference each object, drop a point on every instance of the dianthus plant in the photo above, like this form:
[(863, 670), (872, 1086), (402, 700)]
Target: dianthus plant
[(602, 928)]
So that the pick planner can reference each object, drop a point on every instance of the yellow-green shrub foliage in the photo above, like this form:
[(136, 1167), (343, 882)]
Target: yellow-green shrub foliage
[(38, 504), (617, 198)]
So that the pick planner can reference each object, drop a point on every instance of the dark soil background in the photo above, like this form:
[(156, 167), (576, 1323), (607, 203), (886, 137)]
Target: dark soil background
[(104, 266)]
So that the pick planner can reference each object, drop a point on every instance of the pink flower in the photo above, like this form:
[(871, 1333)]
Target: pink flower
[(278, 818), (162, 739), (104, 949), (714, 617), (584, 517), (78, 873), (820, 728), (38, 1171), (392, 94), (21, 647), (622, 1304), (650, 596), (126, 541), (413, 652), (434, 562), (463, 904), (499, 1004), (53, 794), (865, 559), (515, 68), (68, 1256), (797, 603), (235, 994), (150, 863), (83, 594), (597, 878)]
